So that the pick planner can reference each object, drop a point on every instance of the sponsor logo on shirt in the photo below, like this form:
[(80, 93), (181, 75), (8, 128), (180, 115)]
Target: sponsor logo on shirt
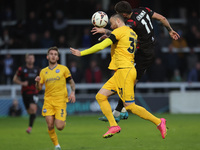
[(53, 79)]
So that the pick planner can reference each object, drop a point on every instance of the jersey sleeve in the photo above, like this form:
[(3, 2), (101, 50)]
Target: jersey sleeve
[(97, 47), (42, 76), (67, 73), (148, 10), (115, 35)]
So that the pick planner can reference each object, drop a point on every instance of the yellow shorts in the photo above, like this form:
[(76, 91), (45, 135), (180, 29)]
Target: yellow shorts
[(123, 82), (55, 109)]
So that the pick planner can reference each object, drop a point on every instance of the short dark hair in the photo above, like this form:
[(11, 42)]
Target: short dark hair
[(53, 48), (118, 16), (123, 7), (28, 55)]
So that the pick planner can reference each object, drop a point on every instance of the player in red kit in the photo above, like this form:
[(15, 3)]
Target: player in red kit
[(25, 76)]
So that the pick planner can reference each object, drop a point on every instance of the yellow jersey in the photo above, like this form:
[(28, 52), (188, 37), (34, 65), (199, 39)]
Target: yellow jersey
[(122, 50), (55, 83)]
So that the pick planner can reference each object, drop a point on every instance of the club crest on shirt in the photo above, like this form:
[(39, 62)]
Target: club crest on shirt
[(57, 70), (44, 110)]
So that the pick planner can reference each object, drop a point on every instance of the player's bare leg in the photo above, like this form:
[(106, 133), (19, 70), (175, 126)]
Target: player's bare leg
[(50, 123), (32, 115), (60, 125)]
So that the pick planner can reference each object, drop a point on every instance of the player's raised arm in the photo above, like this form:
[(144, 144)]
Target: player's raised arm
[(96, 30), (174, 35)]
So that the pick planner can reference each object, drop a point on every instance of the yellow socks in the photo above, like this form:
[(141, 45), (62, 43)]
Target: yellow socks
[(53, 136), (143, 113), (106, 108)]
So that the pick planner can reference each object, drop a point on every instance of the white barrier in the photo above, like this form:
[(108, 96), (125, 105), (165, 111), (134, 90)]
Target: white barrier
[(187, 102), (182, 87)]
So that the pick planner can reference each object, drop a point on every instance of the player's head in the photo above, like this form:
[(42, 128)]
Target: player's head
[(30, 59), (123, 8), (53, 55), (116, 21)]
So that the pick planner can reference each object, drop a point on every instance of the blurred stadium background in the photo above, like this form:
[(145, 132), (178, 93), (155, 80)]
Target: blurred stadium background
[(170, 86)]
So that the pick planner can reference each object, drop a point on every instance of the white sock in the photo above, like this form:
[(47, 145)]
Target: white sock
[(116, 113), (57, 145), (123, 109)]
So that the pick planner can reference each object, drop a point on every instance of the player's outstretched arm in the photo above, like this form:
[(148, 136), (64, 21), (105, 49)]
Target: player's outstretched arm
[(97, 47), (72, 97), (75, 52), (96, 30), (38, 85), (174, 35)]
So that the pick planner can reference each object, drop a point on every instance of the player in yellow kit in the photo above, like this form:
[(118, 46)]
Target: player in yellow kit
[(123, 44), (54, 109)]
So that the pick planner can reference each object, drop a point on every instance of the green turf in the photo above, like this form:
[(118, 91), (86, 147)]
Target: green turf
[(85, 133)]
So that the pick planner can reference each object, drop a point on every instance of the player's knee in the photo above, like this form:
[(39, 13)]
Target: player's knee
[(100, 97), (60, 127)]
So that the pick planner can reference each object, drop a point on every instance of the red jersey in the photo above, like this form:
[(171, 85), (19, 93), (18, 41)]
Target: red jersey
[(28, 74)]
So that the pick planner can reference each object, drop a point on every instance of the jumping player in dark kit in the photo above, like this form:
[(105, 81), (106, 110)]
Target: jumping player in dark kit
[(140, 20), (25, 76)]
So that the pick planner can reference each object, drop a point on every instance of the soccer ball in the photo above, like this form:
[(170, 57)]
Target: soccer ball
[(99, 19)]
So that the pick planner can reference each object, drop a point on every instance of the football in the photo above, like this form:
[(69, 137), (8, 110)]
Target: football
[(99, 19)]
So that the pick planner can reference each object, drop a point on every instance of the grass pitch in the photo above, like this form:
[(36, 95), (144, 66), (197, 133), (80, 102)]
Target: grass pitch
[(85, 133)]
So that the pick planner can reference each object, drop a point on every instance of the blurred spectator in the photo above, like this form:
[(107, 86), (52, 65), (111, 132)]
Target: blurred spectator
[(8, 68), (33, 41), (93, 74), (193, 36), (19, 35), (170, 62), (48, 6), (5, 40), (192, 59), (194, 74), (181, 42), (7, 14), (75, 71), (86, 39), (193, 19), (47, 22), (2, 69), (163, 40), (157, 71), (176, 77), (32, 23), (60, 23), (15, 110), (47, 40), (62, 43)]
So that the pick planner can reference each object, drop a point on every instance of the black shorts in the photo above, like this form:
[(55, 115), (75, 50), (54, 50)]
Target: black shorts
[(143, 61), (29, 99)]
